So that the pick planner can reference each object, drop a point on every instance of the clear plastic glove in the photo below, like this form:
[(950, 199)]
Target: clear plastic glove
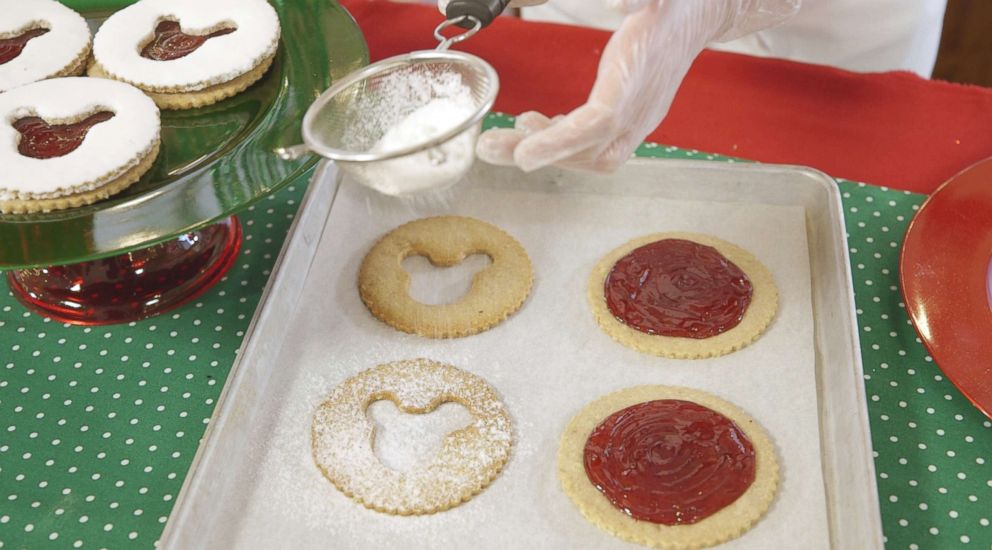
[(640, 71)]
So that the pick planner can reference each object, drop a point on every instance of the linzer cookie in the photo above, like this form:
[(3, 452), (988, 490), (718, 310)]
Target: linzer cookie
[(668, 467), (496, 292), (72, 141), (468, 461), (682, 295), (40, 39), (188, 53)]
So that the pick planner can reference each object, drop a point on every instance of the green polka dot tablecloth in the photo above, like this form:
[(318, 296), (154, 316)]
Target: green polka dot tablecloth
[(98, 426)]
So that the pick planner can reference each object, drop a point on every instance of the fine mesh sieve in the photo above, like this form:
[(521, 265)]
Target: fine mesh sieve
[(348, 122)]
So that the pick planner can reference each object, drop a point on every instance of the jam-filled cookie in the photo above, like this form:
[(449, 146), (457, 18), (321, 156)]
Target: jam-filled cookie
[(188, 53), (682, 295), (72, 141), (40, 39), (668, 467)]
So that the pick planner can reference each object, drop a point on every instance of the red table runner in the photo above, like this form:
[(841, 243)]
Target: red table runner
[(892, 129)]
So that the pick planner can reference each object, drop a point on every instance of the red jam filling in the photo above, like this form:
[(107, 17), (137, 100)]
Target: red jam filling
[(12, 47), (42, 140), (171, 42), (676, 287), (669, 461)]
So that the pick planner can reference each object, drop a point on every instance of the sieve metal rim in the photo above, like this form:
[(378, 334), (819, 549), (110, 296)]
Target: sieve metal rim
[(389, 64)]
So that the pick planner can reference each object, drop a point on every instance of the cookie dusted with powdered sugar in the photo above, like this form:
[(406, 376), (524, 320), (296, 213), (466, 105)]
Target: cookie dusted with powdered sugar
[(188, 53), (72, 141), (467, 462), (40, 39)]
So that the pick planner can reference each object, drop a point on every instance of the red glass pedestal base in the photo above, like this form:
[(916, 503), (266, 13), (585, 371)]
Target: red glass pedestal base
[(132, 286)]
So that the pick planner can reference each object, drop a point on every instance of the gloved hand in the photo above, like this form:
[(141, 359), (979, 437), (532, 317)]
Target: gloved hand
[(640, 71)]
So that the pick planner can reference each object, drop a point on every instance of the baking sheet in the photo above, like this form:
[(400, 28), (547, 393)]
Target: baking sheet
[(547, 361)]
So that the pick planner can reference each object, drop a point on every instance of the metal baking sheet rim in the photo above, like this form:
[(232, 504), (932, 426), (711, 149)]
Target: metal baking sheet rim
[(848, 464)]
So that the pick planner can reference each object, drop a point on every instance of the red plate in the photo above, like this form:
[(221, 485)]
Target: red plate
[(946, 272)]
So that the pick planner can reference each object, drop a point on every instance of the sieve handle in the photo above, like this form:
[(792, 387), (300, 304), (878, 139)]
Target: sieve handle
[(483, 10)]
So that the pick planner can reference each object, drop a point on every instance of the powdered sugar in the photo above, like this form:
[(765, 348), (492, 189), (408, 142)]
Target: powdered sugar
[(411, 108), (66, 42), (290, 490), (117, 46), (386, 100), (406, 442)]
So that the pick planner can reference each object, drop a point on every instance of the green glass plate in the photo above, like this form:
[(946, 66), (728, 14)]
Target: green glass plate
[(215, 160)]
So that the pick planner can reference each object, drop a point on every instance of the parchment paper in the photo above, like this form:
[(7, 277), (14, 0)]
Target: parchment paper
[(548, 361)]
